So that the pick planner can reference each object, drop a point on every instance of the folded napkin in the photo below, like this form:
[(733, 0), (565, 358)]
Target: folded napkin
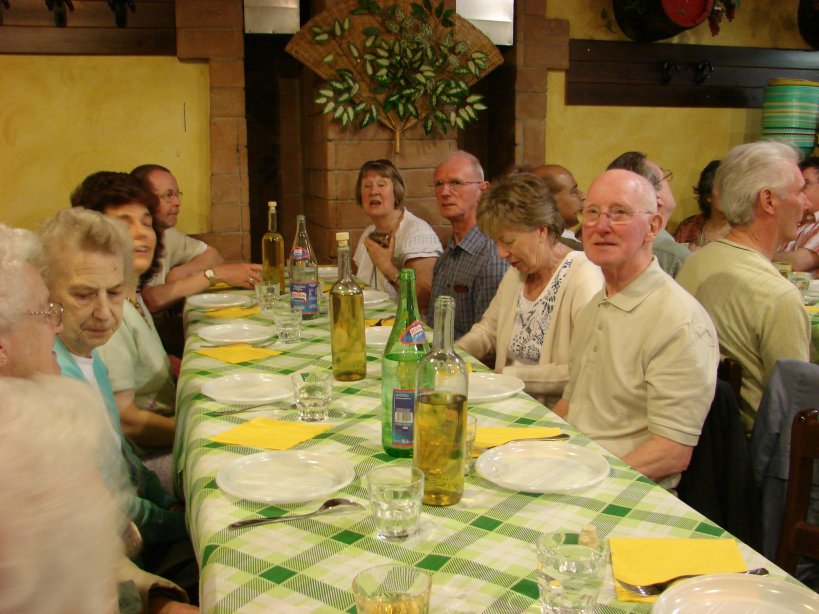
[(488, 436), (234, 354), (271, 434), (655, 559), (233, 312)]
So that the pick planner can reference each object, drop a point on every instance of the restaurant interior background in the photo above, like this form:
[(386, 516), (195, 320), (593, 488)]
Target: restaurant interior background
[(66, 112)]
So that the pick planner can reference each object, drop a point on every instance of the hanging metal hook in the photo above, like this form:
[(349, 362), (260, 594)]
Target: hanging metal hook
[(669, 68), (120, 11), (58, 8), (704, 70)]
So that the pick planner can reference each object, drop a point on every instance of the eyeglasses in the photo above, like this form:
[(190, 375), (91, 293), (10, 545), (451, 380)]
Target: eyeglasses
[(53, 313), (667, 175), (454, 184), (616, 215), (170, 195)]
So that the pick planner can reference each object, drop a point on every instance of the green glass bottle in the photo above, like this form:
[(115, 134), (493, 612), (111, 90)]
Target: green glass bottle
[(347, 319), (440, 412), (405, 347)]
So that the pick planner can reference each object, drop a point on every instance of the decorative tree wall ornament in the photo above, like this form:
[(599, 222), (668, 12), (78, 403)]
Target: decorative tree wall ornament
[(397, 64)]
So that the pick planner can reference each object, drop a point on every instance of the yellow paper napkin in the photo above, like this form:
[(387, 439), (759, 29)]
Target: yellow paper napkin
[(654, 559), (233, 312), (234, 354), (382, 322), (271, 434), (487, 436)]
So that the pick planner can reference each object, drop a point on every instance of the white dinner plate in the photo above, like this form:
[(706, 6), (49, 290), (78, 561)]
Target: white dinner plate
[(492, 386), (216, 300), (374, 297), (328, 272), (542, 466), (248, 388), (285, 476), (377, 336), (236, 332), (736, 594)]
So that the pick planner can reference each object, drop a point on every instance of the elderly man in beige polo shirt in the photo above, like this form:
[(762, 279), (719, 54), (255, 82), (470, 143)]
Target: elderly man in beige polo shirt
[(644, 354)]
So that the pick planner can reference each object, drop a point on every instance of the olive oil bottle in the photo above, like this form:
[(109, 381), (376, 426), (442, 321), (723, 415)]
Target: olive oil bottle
[(273, 251), (347, 319)]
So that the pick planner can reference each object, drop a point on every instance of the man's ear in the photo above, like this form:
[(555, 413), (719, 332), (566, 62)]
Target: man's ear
[(655, 223), (766, 200)]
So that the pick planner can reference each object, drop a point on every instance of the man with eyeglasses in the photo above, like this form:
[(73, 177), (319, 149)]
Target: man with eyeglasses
[(758, 314), (643, 354), (670, 254), (189, 266), (29, 323), (469, 269), (802, 253)]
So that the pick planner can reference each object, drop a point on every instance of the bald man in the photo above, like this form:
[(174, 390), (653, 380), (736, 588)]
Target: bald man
[(568, 197), (644, 354)]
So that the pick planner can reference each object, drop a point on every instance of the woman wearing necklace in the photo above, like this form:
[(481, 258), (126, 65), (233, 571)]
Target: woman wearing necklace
[(138, 367), (528, 325), (709, 225), (396, 238)]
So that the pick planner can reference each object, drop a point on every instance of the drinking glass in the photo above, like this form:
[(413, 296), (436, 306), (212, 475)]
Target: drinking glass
[(267, 295), (312, 392), (395, 495), (569, 574), (288, 322), (392, 589)]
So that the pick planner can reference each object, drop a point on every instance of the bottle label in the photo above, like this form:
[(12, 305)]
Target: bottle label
[(403, 409), (304, 295), (299, 253), (414, 333)]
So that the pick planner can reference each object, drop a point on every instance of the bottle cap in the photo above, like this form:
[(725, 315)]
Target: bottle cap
[(342, 237), (271, 204)]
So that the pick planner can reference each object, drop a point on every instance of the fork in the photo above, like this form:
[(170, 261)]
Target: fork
[(649, 590)]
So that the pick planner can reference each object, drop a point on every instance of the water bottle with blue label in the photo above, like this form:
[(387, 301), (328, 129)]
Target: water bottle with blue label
[(304, 279)]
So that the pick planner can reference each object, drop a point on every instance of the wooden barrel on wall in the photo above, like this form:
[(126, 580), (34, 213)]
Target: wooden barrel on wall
[(790, 112), (646, 21)]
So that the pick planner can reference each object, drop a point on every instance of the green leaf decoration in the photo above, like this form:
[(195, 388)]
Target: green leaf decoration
[(397, 62)]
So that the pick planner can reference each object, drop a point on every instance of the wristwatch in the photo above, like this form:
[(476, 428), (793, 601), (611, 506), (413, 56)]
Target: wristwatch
[(211, 276)]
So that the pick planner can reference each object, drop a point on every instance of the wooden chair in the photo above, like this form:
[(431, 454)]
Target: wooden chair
[(798, 536), (729, 370)]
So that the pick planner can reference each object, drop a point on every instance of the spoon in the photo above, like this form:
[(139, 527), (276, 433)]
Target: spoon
[(328, 505)]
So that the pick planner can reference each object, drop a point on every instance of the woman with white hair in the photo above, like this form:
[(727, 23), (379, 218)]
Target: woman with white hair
[(28, 320), (64, 486)]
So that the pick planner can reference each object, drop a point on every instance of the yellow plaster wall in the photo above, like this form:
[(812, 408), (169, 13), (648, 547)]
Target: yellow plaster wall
[(586, 138), (62, 118)]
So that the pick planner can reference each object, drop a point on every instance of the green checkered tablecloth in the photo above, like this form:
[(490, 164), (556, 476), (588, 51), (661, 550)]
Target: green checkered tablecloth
[(481, 551)]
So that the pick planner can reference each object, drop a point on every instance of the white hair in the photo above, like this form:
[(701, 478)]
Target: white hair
[(18, 247), (465, 155), (60, 529), (746, 171)]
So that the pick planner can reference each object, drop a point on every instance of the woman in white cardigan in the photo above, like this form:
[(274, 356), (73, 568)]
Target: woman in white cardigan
[(528, 325)]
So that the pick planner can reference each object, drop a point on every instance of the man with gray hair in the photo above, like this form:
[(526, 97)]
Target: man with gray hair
[(469, 269), (758, 313), (670, 254), (29, 322), (643, 358)]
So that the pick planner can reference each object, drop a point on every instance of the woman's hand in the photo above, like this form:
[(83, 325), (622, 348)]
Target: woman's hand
[(381, 257)]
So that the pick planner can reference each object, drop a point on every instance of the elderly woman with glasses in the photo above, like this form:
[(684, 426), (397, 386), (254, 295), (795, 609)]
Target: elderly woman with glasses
[(528, 325), (396, 238), (29, 322), (138, 367)]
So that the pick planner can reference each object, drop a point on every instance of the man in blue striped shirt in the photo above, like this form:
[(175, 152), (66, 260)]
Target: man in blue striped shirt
[(469, 268)]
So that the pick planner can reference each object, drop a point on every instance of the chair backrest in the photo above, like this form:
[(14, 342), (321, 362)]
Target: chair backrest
[(729, 370), (798, 536)]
